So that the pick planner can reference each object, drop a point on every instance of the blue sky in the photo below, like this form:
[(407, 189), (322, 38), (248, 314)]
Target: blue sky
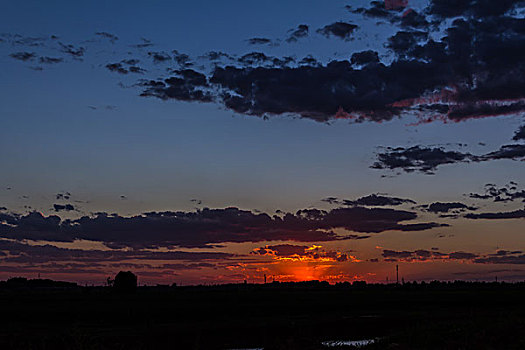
[(77, 127)]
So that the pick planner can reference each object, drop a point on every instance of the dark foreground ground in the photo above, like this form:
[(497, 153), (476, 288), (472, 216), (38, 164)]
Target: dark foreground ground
[(273, 316)]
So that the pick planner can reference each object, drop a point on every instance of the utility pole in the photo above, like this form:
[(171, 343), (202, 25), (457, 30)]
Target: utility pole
[(264, 278), (397, 274)]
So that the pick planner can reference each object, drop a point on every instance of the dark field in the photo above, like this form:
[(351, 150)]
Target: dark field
[(272, 316)]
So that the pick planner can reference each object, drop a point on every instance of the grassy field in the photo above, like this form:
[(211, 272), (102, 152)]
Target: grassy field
[(273, 316)]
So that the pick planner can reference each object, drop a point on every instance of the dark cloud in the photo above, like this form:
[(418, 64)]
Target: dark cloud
[(439, 207), (342, 30), (404, 42), (396, 254), (23, 56), (216, 55), (515, 152), (418, 158), (63, 207), (208, 227), (50, 60), (507, 259), (501, 194), (70, 49), (320, 93), (331, 200), (377, 9), (109, 36), (427, 159), (159, 57), (185, 85), (130, 61), (516, 214), (120, 68), (471, 8), (22, 253), (473, 68), (259, 41), (144, 43), (309, 61), (63, 195), (520, 134), (424, 255), (297, 33), (461, 256), (20, 40), (254, 58), (365, 57), (182, 59), (135, 69), (117, 67), (396, 4), (412, 19), (377, 200)]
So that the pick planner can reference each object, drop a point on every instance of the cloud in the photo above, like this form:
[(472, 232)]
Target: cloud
[(50, 60), (182, 59), (303, 253), (341, 30), (117, 67), (507, 259), (22, 253), (412, 19), (111, 37), (516, 214), (185, 85), (23, 56), (364, 57), (500, 257), (159, 57), (427, 159), (65, 207), (508, 193), (514, 152), (474, 70), (377, 9), (70, 49), (63, 195), (395, 4), (424, 255), (418, 158), (259, 41), (472, 66), (377, 200), (471, 8), (520, 134), (143, 44), (404, 42), (440, 207), (298, 33), (209, 227), (120, 67)]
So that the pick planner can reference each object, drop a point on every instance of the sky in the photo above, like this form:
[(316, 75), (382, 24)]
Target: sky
[(214, 142)]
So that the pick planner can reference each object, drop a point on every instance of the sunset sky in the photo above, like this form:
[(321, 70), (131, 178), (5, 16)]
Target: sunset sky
[(218, 141)]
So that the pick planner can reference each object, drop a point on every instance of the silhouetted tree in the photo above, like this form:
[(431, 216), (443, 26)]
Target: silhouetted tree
[(125, 282)]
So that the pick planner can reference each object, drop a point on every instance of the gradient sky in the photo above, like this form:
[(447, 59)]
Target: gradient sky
[(426, 117)]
